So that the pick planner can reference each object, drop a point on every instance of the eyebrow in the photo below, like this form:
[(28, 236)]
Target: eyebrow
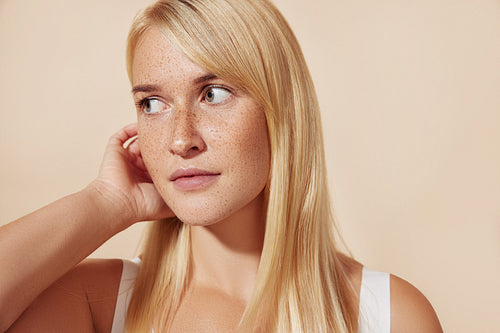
[(155, 87), (146, 88), (205, 78)]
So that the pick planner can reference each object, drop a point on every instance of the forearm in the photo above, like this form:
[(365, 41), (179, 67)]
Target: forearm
[(40, 247)]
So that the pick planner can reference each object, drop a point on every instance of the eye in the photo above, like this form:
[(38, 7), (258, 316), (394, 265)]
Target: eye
[(151, 105), (216, 95)]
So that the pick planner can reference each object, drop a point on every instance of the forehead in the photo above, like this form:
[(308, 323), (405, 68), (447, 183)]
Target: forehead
[(157, 60)]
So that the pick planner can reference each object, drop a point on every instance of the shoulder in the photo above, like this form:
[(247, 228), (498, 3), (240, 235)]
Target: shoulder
[(97, 279), (100, 280), (410, 309), (84, 298), (96, 273)]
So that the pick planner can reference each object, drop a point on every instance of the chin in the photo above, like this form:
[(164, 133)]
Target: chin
[(199, 219), (209, 208), (208, 212), (200, 213)]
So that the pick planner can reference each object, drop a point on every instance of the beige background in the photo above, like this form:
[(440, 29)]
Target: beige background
[(411, 109)]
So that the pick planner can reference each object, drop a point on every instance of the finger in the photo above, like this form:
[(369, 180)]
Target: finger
[(144, 176), (139, 162), (131, 129), (139, 170), (120, 137), (132, 146), (136, 156)]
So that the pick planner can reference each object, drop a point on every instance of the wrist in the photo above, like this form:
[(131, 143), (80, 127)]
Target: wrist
[(115, 208)]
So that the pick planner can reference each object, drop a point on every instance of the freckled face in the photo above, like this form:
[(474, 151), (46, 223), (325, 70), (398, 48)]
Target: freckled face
[(203, 139)]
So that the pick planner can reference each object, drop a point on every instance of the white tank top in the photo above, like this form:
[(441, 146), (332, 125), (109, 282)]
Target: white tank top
[(374, 302)]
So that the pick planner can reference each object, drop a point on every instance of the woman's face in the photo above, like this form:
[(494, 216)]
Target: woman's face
[(203, 139)]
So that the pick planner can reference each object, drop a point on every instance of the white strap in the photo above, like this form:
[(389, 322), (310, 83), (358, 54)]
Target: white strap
[(129, 273), (375, 302)]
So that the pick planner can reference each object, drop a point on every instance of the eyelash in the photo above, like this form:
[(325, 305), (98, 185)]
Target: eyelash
[(211, 86), (141, 103)]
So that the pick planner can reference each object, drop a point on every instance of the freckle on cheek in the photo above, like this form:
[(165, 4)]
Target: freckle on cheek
[(234, 143)]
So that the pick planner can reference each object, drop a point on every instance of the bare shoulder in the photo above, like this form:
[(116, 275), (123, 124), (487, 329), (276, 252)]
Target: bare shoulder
[(97, 273), (100, 279), (83, 300), (410, 309)]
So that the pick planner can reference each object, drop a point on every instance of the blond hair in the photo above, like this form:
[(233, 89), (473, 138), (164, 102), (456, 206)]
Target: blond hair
[(302, 282)]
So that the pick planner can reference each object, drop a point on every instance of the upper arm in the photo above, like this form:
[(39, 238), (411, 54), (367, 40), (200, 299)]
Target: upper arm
[(410, 310), (82, 300)]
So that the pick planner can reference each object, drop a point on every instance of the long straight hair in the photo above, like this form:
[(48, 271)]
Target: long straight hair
[(302, 281)]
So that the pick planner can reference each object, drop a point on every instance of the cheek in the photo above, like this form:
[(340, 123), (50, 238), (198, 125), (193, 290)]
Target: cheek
[(252, 152), (151, 143)]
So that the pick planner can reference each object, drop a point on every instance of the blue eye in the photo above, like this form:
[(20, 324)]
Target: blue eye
[(152, 105), (216, 95)]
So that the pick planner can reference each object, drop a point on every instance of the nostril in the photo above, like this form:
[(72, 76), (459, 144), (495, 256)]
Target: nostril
[(187, 146), (186, 138)]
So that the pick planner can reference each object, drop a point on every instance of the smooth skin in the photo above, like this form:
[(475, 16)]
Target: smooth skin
[(42, 289)]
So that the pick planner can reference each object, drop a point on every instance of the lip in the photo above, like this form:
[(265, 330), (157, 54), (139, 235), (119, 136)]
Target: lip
[(192, 178)]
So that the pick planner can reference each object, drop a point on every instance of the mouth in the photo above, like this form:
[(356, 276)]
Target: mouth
[(192, 178)]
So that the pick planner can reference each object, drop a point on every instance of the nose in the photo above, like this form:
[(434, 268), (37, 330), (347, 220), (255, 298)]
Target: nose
[(185, 139)]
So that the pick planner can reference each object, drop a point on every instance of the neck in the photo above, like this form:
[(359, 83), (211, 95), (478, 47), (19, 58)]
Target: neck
[(226, 255)]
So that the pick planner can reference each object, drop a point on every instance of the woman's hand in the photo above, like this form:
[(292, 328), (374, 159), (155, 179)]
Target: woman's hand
[(45, 244), (125, 184)]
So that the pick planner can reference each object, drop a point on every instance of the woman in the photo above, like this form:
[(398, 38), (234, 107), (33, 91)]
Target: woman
[(230, 162)]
